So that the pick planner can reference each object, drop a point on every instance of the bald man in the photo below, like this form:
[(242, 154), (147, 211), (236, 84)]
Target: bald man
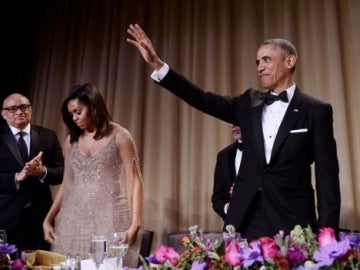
[(31, 160)]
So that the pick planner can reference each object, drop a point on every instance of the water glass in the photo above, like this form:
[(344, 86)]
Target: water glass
[(98, 249), (118, 247)]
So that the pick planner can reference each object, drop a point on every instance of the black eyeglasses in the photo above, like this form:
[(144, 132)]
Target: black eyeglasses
[(22, 108)]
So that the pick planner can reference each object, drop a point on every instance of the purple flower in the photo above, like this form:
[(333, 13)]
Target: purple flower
[(296, 255), (251, 254), (353, 238), (152, 259), (331, 251), (7, 249), (198, 266)]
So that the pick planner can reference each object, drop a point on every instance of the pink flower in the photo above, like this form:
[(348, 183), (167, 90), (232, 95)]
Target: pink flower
[(18, 264), (232, 254), (326, 236), (269, 247), (164, 253)]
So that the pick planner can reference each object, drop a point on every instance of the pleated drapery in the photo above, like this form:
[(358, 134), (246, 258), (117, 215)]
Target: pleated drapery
[(214, 44)]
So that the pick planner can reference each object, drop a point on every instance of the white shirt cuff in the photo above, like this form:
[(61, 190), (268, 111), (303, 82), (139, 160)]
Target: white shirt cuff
[(42, 177), (158, 75), (226, 206)]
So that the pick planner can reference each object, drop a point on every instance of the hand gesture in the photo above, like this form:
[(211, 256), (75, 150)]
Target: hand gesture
[(143, 43), (32, 168)]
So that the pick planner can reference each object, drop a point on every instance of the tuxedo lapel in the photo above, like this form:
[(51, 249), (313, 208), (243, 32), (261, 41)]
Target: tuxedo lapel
[(291, 117), (34, 142), (11, 143), (256, 117)]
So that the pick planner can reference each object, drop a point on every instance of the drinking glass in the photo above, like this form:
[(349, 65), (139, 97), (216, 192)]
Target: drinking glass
[(98, 249), (3, 238), (118, 247)]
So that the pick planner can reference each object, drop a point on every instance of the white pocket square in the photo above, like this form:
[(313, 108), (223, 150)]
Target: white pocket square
[(299, 130)]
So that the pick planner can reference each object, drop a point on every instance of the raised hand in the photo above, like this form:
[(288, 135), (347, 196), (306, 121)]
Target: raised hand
[(141, 41)]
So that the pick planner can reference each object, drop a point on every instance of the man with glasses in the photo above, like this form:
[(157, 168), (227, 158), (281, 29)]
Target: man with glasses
[(31, 160)]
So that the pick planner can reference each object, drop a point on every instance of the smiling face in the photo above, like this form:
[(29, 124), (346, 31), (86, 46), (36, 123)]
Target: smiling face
[(80, 114), (274, 67), (17, 111)]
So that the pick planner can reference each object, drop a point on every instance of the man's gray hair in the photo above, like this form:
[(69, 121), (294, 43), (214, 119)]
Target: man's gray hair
[(286, 46)]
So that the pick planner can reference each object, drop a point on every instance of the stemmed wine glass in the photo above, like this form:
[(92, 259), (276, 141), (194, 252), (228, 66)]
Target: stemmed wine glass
[(98, 249), (118, 247)]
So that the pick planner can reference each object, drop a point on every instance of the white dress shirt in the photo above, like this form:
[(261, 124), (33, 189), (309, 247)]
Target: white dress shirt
[(238, 158), (26, 135), (272, 116)]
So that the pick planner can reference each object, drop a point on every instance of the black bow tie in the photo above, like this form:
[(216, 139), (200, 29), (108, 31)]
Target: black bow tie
[(269, 98), (239, 146)]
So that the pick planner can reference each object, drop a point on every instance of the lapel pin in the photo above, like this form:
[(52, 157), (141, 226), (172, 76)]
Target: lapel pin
[(296, 110)]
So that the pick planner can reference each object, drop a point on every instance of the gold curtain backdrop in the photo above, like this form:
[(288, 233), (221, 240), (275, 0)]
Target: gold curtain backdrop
[(214, 43)]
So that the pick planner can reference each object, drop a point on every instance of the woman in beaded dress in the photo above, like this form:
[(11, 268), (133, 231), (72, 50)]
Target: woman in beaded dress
[(101, 191)]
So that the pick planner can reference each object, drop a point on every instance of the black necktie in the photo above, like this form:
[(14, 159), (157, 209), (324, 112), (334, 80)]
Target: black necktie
[(239, 146), (22, 146), (270, 98)]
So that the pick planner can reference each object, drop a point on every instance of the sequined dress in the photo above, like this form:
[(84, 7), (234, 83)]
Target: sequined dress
[(96, 203)]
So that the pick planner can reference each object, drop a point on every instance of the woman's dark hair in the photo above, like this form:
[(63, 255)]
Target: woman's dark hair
[(91, 97)]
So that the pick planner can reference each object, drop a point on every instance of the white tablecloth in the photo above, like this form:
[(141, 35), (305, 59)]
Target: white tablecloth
[(109, 264)]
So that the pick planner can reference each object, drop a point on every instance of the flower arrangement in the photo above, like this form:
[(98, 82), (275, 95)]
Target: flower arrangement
[(5, 261), (300, 250)]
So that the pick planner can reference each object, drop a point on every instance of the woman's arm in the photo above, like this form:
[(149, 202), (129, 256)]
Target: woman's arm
[(49, 230), (128, 155)]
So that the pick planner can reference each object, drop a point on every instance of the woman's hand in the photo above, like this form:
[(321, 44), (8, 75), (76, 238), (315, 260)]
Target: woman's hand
[(131, 235), (49, 232)]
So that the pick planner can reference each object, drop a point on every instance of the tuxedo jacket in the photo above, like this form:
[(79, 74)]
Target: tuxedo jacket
[(31, 194), (305, 137), (224, 177)]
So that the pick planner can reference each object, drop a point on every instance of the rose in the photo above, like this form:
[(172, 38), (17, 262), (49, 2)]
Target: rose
[(164, 253), (269, 247), (326, 236), (232, 254)]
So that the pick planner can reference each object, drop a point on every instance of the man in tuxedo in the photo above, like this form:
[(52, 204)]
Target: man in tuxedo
[(31, 160), (227, 166), (284, 132)]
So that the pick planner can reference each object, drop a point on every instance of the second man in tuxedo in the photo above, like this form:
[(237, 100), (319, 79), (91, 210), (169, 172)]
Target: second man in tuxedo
[(31, 160), (227, 166)]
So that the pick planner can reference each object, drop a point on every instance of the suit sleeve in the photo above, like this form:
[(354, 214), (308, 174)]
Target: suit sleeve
[(54, 161), (221, 107), (221, 188), (326, 169)]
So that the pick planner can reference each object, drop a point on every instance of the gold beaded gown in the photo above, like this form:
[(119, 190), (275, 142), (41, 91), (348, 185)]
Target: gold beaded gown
[(98, 202)]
